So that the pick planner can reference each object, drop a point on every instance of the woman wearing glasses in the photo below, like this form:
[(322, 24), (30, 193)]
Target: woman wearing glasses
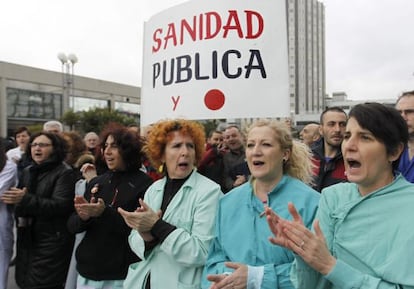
[(43, 203), (103, 255)]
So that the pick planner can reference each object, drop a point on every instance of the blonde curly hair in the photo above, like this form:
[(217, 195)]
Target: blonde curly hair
[(160, 135)]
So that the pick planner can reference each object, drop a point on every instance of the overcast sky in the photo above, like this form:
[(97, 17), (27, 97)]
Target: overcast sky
[(369, 43)]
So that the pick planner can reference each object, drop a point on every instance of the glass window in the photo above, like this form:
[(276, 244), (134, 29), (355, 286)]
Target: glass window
[(33, 104), (85, 104), (129, 109)]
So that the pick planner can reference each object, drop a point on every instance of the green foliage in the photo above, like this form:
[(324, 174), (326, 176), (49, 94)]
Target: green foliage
[(70, 118), (35, 128), (94, 119)]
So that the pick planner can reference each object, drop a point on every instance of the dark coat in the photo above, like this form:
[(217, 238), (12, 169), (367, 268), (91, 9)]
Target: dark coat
[(211, 165), (326, 173), (104, 252), (44, 245)]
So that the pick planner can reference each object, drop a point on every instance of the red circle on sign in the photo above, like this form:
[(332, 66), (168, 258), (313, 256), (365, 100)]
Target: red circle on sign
[(214, 99)]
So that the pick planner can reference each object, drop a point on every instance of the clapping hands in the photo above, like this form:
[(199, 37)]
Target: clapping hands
[(294, 235)]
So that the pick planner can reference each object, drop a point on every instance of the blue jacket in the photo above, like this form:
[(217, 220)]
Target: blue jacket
[(406, 166), (242, 234), (371, 237), (178, 261)]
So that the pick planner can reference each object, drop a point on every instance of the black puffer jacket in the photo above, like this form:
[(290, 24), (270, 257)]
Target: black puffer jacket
[(44, 245)]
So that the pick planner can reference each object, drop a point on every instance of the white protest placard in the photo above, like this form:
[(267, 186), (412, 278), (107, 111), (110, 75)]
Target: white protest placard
[(216, 59)]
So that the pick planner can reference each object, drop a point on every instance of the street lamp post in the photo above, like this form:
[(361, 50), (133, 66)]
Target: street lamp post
[(68, 80)]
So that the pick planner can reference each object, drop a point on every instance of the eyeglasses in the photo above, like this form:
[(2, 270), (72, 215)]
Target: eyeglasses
[(40, 144)]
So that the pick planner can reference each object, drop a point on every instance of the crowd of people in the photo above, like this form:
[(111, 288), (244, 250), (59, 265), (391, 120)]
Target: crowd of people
[(179, 207)]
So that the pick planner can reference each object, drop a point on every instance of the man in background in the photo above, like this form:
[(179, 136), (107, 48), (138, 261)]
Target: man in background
[(310, 134), (405, 105), (91, 140), (327, 155), (211, 164), (235, 172), (53, 126)]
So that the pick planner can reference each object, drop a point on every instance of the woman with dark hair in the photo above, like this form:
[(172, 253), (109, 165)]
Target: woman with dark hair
[(103, 255), (363, 236), (77, 154), (22, 137), (173, 227), (44, 201), (19, 154), (8, 178)]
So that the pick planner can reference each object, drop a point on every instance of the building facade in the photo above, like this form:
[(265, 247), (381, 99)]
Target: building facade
[(30, 96), (306, 48), (340, 99)]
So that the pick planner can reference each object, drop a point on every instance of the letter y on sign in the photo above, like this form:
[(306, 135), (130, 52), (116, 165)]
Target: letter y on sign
[(175, 101)]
